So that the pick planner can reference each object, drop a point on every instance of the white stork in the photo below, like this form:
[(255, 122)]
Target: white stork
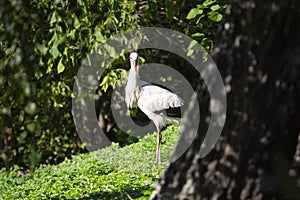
[(151, 99)]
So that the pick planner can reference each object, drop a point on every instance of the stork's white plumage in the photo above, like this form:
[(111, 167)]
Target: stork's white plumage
[(151, 99)]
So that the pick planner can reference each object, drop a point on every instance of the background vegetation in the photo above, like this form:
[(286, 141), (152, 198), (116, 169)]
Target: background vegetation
[(42, 44)]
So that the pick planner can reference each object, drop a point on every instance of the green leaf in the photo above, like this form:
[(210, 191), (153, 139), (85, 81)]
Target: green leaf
[(60, 67), (169, 11), (30, 108), (98, 35), (208, 2), (193, 13), (198, 35), (72, 34), (215, 7), (39, 35), (200, 6), (55, 18), (54, 51), (215, 16), (41, 49), (38, 75), (76, 22)]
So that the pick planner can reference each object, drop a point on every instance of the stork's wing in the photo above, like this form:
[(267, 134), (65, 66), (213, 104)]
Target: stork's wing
[(154, 98)]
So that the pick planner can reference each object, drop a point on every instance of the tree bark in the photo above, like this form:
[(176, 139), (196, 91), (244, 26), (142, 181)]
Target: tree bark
[(257, 156)]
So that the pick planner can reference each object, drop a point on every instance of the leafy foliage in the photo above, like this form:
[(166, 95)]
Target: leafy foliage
[(42, 44), (205, 16), (105, 174)]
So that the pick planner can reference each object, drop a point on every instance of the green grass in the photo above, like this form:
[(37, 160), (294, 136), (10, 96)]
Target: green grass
[(110, 173)]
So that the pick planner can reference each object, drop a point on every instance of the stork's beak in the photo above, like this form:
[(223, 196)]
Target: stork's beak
[(134, 65)]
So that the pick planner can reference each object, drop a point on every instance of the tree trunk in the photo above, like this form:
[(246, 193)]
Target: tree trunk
[(258, 154)]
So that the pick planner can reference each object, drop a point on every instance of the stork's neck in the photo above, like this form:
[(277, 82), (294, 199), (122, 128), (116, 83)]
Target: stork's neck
[(131, 96), (134, 76), (134, 68)]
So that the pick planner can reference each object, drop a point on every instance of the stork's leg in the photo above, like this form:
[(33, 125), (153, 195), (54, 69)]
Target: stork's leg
[(159, 136)]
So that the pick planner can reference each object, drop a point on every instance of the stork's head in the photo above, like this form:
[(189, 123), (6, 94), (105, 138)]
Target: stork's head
[(133, 60)]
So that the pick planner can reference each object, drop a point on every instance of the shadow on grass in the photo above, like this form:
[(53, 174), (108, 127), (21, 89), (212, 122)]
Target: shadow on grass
[(140, 193)]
